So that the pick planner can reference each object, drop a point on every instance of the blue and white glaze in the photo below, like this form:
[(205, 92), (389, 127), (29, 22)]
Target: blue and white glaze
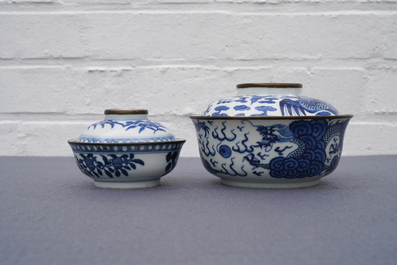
[(268, 136), (270, 152), (126, 129), (126, 150), (126, 165), (269, 105)]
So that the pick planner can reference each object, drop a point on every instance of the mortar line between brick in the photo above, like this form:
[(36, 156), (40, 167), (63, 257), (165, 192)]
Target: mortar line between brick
[(205, 12), (87, 122), (86, 119), (131, 63), (226, 68), (144, 64)]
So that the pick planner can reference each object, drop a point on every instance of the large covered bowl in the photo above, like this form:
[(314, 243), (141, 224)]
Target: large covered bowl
[(270, 137), (126, 150)]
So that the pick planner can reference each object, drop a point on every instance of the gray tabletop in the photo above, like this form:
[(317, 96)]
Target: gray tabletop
[(50, 213)]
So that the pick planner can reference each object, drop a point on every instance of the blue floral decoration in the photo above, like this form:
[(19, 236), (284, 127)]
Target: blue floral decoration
[(142, 124), (171, 158), (112, 164)]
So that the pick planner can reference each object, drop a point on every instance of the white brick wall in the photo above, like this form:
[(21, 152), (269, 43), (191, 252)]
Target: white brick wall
[(62, 63)]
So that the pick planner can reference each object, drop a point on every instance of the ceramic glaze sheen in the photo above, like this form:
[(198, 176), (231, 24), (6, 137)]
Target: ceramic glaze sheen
[(260, 153), (129, 165), (126, 127), (281, 140), (126, 150), (284, 100)]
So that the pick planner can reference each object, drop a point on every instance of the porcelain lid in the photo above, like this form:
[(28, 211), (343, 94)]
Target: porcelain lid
[(126, 126), (269, 100)]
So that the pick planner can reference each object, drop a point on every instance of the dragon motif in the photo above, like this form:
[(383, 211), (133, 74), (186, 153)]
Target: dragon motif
[(300, 107)]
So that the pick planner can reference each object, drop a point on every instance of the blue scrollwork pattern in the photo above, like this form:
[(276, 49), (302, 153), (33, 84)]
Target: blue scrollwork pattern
[(296, 149)]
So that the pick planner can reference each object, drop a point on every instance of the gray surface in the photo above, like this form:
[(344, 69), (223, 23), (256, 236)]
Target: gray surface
[(52, 214)]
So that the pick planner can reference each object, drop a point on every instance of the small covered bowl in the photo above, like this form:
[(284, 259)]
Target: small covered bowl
[(126, 150), (268, 136)]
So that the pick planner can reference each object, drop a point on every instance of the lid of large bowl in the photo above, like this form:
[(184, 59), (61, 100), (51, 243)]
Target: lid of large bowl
[(269, 100), (126, 126)]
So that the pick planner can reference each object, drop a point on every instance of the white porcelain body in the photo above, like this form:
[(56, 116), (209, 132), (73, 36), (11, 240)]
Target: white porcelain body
[(269, 136), (133, 128), (270, 153), (269, 102), (129, 165)]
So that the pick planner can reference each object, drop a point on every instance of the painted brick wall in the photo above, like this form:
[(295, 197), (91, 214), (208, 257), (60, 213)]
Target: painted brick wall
[(62, 63)]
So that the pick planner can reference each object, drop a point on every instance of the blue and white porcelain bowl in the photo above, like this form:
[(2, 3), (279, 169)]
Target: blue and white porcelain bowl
[(270, 137), (126, 150)]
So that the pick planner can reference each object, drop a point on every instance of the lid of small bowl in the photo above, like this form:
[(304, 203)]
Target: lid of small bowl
[(126, 126), (269, 100)]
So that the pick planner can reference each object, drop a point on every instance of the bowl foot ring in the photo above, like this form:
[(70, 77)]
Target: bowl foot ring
[(270, 185), (127, 185)]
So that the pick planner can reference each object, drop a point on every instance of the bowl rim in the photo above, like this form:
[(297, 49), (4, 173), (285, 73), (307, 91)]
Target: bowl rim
[(125, 111), (177, 141), (272, 85), (196, 117)]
